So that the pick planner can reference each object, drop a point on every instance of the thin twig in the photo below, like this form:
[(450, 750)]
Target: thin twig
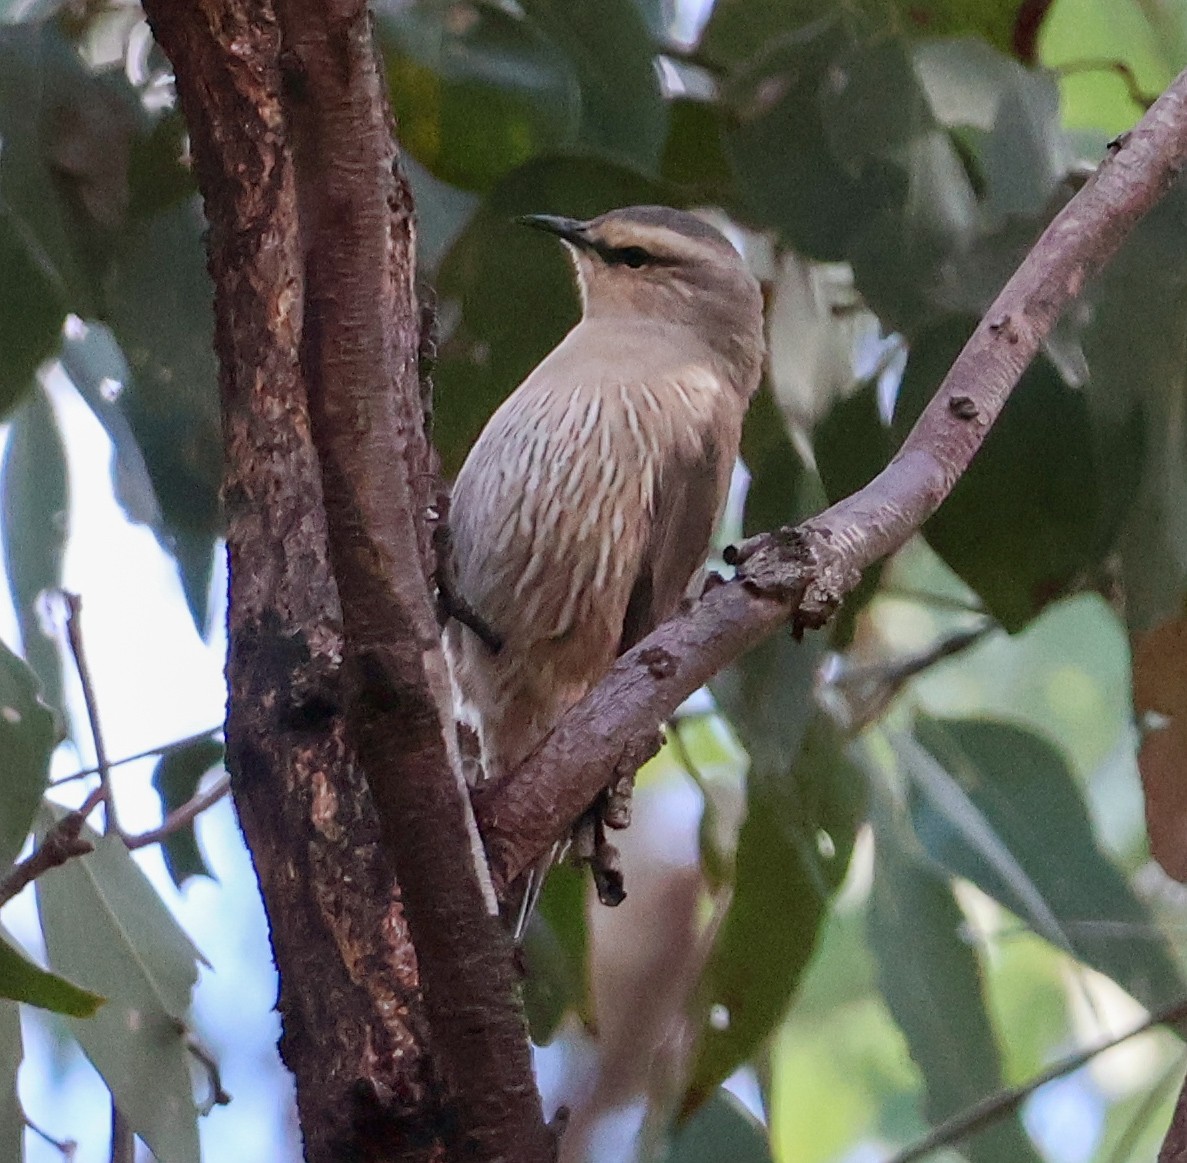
[(183, 815), (62, 842), (67, 1147), (860, 695), (78, 650), (147, 753), (935, 601), (1118, 68), (997, 1106), (217, 1096), (123, 1138)]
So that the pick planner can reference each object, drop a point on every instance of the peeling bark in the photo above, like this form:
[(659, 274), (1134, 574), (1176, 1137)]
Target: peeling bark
[(353, 1026)]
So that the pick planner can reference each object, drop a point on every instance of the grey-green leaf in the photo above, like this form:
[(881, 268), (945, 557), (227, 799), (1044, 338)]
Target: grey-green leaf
[(22, 980), (931, 980), (36, 504), (28, 735), (1023, 789), (721, 1130), (176, 781), (12, 1116), (106, 927)]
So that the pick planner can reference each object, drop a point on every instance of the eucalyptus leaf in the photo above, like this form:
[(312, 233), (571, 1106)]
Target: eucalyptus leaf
[(721, 1130), (28, 735), (34, 492), (556, 953), (65, 136), (623, 115), (106, 928), (175, 779), (1019, 785), (1029, 515), (793, 852), (22, 980), (477, 89), (931, 979), (32, 306), (161, 314)]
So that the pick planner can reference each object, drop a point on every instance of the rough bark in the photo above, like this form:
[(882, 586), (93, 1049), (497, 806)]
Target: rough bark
[(804, 573), (353, 1029), (361, 336)]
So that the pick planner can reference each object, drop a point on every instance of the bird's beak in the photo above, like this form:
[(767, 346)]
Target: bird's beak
[(570, 229)]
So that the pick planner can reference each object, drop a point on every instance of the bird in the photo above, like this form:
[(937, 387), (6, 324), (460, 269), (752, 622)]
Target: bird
[(585, 509)]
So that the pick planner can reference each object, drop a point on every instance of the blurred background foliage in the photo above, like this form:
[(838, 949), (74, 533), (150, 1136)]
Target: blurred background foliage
[(877, 877)]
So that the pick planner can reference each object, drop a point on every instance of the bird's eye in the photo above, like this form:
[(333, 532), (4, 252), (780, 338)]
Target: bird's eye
[(634, 257)]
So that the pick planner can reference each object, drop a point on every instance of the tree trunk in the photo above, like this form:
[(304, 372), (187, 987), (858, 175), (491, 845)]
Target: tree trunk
[(311, 255)]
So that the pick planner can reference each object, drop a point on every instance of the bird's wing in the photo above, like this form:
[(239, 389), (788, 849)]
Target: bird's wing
[(688, 503)]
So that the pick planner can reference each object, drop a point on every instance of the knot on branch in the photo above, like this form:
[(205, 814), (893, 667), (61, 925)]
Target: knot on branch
[(800, 567)]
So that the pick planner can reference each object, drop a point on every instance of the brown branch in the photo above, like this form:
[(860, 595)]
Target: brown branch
[(147, 753), (804, 573), (1025, 37), (61, 842), (358, 351), (78, 651), (997, 1106), (183, 815)]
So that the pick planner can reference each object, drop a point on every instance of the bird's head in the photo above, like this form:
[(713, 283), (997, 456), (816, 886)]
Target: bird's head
[(655, 263)]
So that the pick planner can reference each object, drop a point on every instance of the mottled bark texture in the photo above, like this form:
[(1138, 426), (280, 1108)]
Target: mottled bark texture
[(804, 573), (361, 336), (312, 268)]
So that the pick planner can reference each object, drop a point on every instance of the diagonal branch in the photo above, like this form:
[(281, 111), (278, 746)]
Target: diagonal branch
[(803, 574)]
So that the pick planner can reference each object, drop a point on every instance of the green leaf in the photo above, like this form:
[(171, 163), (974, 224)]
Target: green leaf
[(776, 470), (157, 178), (556, 951), (776, 142), (496, 264), (991, 20), (36, 506), (852, 444), (28, 735), (623, 115), (477, 90), (804, 801), (21, 980), (51, 108), (741, 29), (161, 314), (920, 206), (32, 307), (1028, 516), (694, 157), (1022, 789), (106, 928), (1025, 158), (96, 366), (721, 1130), (176, 778), (12, 1115), (932, 982)]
